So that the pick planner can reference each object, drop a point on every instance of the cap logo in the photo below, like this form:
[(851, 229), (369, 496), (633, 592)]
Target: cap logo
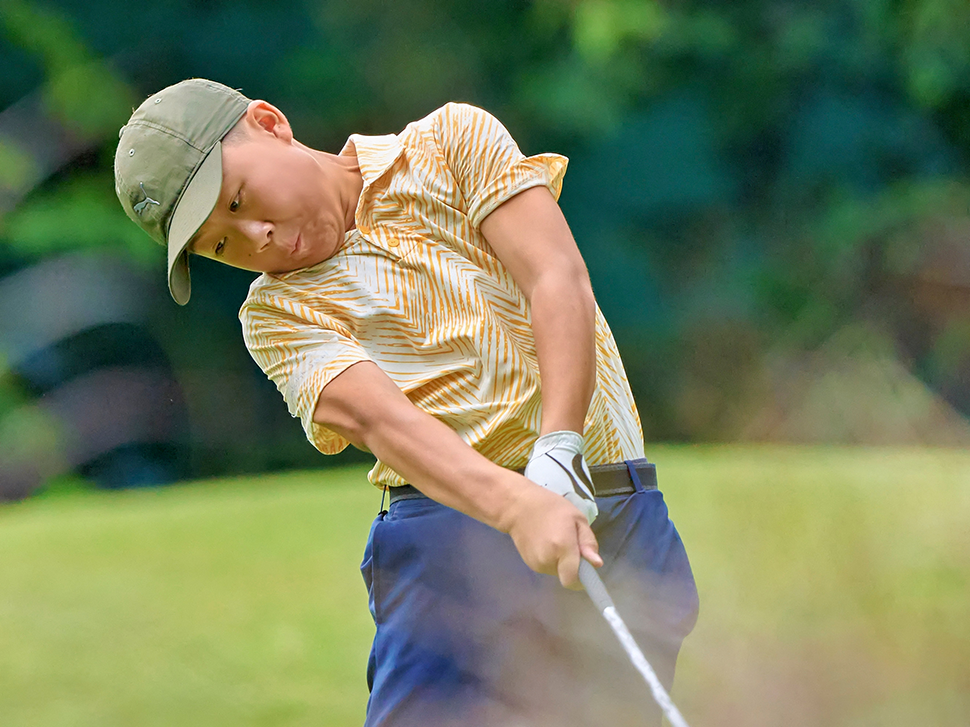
[(140, 207)]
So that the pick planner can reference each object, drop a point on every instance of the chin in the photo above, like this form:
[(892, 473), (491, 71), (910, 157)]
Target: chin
[(318, 250), (287, 265)]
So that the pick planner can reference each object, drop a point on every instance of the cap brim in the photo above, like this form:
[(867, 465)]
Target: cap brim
[(193, 208)]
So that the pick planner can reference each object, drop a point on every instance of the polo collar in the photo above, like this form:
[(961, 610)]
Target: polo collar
[(375, 154)]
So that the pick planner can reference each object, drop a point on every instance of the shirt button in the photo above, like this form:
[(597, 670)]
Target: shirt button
[(393, 242)]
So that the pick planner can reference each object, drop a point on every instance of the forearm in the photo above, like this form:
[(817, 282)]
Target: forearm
[(366, 408), (564, 327), (432, 457)]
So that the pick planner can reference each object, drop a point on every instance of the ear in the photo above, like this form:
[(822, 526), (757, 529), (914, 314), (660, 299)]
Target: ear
[(263, 117)]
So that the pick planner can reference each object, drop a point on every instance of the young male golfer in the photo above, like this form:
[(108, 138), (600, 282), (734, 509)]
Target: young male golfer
[(422, 298)]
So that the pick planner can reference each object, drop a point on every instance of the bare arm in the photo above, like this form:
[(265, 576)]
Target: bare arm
[(530, 236), (363, 405)]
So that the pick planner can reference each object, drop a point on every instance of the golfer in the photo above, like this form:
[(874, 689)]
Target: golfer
[(421, 297)]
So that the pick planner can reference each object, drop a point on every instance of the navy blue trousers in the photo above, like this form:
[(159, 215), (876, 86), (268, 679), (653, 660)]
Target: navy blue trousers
[(468, 635)]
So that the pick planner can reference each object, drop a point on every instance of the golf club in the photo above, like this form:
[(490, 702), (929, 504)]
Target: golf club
[(601, 599)]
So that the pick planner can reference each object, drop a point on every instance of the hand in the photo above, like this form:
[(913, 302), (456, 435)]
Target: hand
[(557, 464), (550, 534)]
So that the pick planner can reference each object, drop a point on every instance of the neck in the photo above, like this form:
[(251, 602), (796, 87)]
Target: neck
[(345, 175), (353, 186)]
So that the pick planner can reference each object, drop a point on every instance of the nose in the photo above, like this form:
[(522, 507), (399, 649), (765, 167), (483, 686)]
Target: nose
[(260, 232)]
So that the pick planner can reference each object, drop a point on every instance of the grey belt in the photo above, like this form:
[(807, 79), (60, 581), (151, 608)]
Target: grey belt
[(621, 478)]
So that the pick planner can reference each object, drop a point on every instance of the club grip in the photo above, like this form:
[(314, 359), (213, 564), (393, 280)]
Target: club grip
[(594, 585)]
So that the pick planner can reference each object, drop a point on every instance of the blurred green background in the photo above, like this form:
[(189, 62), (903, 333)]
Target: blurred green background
[(772, 198), (773, 201)]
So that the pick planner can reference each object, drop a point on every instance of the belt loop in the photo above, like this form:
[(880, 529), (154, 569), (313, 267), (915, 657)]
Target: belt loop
[(634, 477)]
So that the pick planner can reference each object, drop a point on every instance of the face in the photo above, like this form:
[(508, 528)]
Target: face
[(283, 206)]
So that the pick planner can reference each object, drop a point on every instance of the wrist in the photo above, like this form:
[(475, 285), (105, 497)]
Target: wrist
[(508, 496), (515, 500), (563, 439), (551, 425)]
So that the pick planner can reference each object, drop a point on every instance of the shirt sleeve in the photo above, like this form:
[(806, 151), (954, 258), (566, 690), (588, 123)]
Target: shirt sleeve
[(486, 162), (301, 350)]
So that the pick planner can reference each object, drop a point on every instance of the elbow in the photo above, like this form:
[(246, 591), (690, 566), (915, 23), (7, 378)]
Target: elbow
[(367, 428), (355, 430), (361, 405), (569, 287), (359, 434), (584, 292), (356, 425)]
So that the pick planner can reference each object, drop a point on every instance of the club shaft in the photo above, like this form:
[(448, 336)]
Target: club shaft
[(601, 598)]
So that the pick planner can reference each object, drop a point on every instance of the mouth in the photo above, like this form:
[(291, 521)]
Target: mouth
[(297, 244)]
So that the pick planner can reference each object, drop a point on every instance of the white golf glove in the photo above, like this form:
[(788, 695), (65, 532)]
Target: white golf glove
[(557, 464)]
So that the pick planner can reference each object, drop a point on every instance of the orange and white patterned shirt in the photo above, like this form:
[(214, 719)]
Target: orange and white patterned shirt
[(416, 289)]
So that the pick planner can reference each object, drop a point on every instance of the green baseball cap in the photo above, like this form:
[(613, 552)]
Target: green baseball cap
[(168, 167)]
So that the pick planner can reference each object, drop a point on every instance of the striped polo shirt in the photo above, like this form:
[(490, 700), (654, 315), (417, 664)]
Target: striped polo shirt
[(416, 289)]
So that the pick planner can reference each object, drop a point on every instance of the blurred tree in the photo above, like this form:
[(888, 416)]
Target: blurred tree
[(747, 179)]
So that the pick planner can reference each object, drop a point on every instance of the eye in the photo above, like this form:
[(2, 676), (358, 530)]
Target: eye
[(234, 205), (220, 246)]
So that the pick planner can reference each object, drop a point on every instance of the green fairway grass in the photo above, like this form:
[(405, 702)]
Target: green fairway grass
[(834, 583), (222, 603)]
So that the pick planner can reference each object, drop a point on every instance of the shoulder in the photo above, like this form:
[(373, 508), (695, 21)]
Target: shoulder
[(453, 111), (455, 118), (260, 288), (268, 295), (259, 300)]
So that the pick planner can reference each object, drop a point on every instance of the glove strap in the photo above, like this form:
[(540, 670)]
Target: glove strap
[(564, 439)]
